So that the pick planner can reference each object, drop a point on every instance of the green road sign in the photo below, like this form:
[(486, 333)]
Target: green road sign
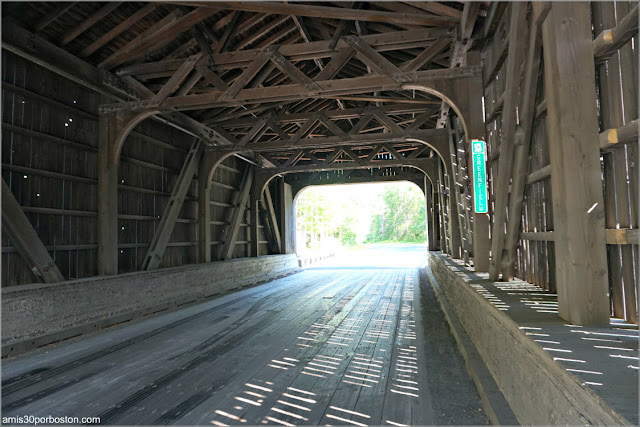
[(479, 176)]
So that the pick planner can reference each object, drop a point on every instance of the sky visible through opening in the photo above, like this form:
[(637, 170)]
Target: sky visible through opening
[(352, 215)]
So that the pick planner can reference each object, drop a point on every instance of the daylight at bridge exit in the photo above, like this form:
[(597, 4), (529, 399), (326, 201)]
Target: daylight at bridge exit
[(303, 213)]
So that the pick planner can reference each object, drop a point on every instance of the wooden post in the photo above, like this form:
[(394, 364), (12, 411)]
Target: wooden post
[(107, 198), (254, 219), (429, 213), (240, 200), (578, 205), (505, 163), (435, 220), (26, 240), (454, 219), (522, 143), (287, 228), (113, 128), (269, 215), (158, 245), (476, 130), (207, 162), (442, 207), (454, 183)]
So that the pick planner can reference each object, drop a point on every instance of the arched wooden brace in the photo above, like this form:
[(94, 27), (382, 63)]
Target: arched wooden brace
[(426, 166), (114, 127), (208, 163), (424, 182), (464, 95)]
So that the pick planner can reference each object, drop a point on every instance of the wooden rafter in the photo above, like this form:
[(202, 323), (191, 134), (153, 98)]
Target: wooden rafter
[(89, 22), (329, 12), (397, 40)]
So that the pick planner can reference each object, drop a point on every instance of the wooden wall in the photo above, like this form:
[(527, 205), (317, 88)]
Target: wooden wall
[(616, 87), (617, 79), (49, 150)]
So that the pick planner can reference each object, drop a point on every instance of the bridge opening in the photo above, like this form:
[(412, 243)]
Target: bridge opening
[(344, 222)]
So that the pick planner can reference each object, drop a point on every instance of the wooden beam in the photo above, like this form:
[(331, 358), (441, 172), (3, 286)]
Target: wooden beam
[(35, 49), (154, 40), (337, 62), (182, 121), (175, 81), (539, 175), (491, 69), (154, 255), (248, 74), (349, 113), (331, 164), (329, 12), (385, 120), (298, 51), (207, 162), (26, 240), (117, 30), (609, 41), (541, 236), (56, 13), (370, 83), (270, 222), (622, 236), (457, 200), (505, 165), (578, 204), (434, 136), (293, 73), (437, 8), (376, 61), (260, 32), (616, 137), (226, 36), (522, 143), (89, 22), (240, 201), (426, 55), (491, 21), (107, 235), (462, 45)]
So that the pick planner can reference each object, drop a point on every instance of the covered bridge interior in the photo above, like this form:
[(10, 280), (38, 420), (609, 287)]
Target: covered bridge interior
[(152, 152)]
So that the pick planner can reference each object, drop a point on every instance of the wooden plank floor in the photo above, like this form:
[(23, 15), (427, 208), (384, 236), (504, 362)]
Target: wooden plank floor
[(321, 347)]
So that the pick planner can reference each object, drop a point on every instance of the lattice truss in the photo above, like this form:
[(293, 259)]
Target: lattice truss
[(289, 81)]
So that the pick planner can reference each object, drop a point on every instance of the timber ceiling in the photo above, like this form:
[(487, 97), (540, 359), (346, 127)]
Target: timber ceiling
[(260, 74)]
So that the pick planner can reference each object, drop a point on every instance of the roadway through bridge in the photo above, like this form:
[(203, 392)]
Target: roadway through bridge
[(360, 340)]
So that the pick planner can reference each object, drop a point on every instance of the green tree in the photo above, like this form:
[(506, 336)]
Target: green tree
[(402, 218), (347, 233)]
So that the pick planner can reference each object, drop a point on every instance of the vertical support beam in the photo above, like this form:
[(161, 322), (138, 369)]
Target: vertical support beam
[(437, 233), (578, 205), (113, 128), (476, 130), (455, 234), (505, 163), (269, 215), (254, 219), (456, 199), (159, 243), (285, 207), (26, 240), (107, 197), (522, 143), (240, 200), (444, 223), (207, 162), (430, 214)]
